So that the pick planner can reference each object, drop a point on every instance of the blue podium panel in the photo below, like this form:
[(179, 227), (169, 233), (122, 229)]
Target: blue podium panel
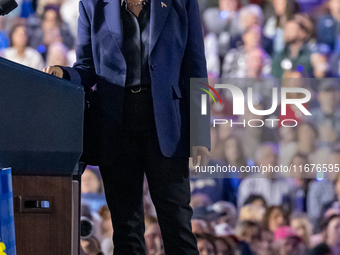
[(7, 235), (41, 121)]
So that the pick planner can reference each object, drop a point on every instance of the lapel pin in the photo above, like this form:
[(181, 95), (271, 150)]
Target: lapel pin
[(163, 5)]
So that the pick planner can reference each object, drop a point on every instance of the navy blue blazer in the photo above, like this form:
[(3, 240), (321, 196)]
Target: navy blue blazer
[(176, 54)]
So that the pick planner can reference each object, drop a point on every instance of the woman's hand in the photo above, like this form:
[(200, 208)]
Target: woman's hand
[(54, 70)]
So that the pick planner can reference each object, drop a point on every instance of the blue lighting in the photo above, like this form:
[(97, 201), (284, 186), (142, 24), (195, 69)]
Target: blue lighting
[(320, 176), (224, 14), (250, 162), (41, 48), (299, 68)]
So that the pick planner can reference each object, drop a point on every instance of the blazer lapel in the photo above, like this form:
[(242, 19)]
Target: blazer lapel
[(159, 13), (112, 17)]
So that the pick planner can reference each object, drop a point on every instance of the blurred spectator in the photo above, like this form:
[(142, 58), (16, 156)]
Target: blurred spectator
[(331, 238), (107, 230), (69, 12), (211, 55), (333, 160), (57, 55), (205, 244), (327, 116), (271, 186), (266, 6), (287, 145), (209, 216), (200, 200), (334, 64), (252, 137), (320, 229), (258, 65), (248, 230), (301, 225), (222, 22), (223, 229), (52, 29), (43, 3), (20, 52), (294, 78), (265, 245), (93, 242), (225, 246), (321, 192), (331, 211), (153, 237), (219, 133), (328, 26), (233, 154), (149, 207), (333, 206), (252, 212), (296, 52), (217, 188), (205, 4), (253, 234), (224, 131), (91, 181), (307, 143), (275, 25), (256, 200), (4, 43), (251, 15), (288, 243), (90, 246), (275, 217), (234, 63), (227, 214), (71, 57), (321, 68), (200, 226), (219, 219), (301, 183)]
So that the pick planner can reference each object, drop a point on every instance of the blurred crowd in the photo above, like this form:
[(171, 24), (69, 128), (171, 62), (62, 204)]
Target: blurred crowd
[(40, 33), (243, 38), (255, 227), (254, 39), (266, 38), (272, 44)]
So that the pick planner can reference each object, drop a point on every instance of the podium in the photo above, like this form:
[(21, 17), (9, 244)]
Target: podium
[(41, 132)]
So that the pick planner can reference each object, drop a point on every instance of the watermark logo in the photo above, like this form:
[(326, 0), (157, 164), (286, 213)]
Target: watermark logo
[(204, 97), (239, 100)]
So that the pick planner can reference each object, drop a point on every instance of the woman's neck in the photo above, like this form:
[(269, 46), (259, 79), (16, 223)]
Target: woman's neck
[(21, 51)]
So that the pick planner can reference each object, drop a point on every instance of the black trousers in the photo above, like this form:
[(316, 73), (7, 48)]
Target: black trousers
[(167, 178)]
